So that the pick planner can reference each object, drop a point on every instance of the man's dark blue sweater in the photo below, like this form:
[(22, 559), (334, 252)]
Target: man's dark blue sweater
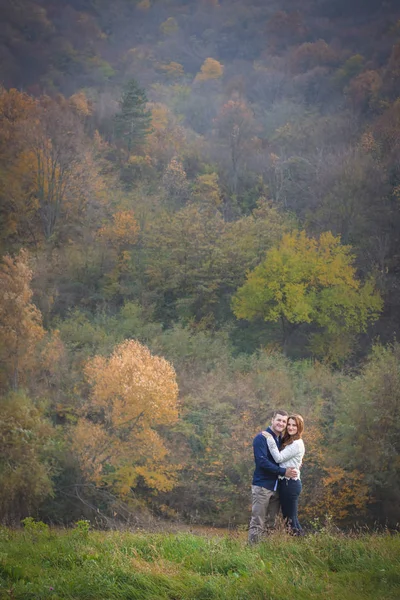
[(267, 470)]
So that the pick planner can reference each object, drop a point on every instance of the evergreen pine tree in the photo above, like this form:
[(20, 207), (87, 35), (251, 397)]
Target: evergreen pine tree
[(133, 122)]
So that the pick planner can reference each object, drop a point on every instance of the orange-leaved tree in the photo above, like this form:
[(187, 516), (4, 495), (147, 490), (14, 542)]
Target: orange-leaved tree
[(133, 394), (122, 231), (20, 321), (17, 203)]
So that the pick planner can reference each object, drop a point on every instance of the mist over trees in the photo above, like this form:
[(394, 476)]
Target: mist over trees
[(199, 222)]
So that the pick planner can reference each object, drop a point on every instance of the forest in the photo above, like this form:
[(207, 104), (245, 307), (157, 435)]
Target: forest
[(199, 223)]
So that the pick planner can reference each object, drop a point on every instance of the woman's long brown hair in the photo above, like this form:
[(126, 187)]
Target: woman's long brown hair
[(289, 439)]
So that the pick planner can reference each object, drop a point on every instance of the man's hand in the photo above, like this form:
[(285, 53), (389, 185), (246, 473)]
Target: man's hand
[(291, 472)]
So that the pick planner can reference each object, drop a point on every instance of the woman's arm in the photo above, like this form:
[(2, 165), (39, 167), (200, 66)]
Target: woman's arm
[(288, 452)]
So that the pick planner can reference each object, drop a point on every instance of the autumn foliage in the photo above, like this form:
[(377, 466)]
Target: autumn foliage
[(20, 321), (204, 195), (132, 394), (26, 459), (210, 69), (305, 280)]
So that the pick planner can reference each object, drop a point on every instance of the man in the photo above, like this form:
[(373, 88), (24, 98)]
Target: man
[(265, 498)]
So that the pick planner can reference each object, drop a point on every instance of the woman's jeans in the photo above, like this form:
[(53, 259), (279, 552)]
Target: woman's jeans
[(289, 492)]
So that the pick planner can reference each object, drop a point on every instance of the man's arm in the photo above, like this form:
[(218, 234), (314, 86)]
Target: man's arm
[(260, 456)]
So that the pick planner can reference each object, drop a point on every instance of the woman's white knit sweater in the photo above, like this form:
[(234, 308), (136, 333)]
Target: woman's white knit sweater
[(290, 456)]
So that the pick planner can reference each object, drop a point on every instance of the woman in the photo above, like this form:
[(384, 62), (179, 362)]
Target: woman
[(290, 454)]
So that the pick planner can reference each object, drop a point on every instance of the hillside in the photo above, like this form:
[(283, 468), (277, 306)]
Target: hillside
[(218, 181)]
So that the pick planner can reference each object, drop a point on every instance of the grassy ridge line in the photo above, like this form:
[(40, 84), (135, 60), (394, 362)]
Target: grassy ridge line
[(114, 565)]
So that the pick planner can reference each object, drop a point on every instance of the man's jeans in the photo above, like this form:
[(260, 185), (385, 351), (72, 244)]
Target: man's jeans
[(265, 508)]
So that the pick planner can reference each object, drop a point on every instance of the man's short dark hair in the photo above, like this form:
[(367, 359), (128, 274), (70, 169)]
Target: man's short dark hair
[(280, 412)]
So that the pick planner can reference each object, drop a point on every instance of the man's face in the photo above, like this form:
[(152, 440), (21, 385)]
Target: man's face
[(278, 424)]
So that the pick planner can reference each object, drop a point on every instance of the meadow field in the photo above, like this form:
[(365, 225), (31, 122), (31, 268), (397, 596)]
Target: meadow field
[(42, 564)]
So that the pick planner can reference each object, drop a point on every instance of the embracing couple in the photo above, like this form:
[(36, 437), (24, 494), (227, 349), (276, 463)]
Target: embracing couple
[(278, 454)]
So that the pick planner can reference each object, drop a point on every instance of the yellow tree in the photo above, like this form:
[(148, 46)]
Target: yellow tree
[(309, 280), (206, 190), (133, 393), (173, 70), (210, 69), (167, 138), (175, 183), (20, 321), (80, 103), (122, 231)]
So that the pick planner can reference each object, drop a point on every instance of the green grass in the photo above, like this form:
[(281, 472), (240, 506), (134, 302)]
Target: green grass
[(56, 565)]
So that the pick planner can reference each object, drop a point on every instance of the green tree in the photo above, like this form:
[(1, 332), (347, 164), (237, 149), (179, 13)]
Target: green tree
[(26, 440), (351, 68), (133, 121), (309, 280), (196, 260), (184, 263), (368, 430)]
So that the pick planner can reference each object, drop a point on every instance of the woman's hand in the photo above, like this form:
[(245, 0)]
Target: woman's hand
[(267, 435)]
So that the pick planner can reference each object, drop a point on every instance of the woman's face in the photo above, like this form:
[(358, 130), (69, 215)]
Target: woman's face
[(291, 427)]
